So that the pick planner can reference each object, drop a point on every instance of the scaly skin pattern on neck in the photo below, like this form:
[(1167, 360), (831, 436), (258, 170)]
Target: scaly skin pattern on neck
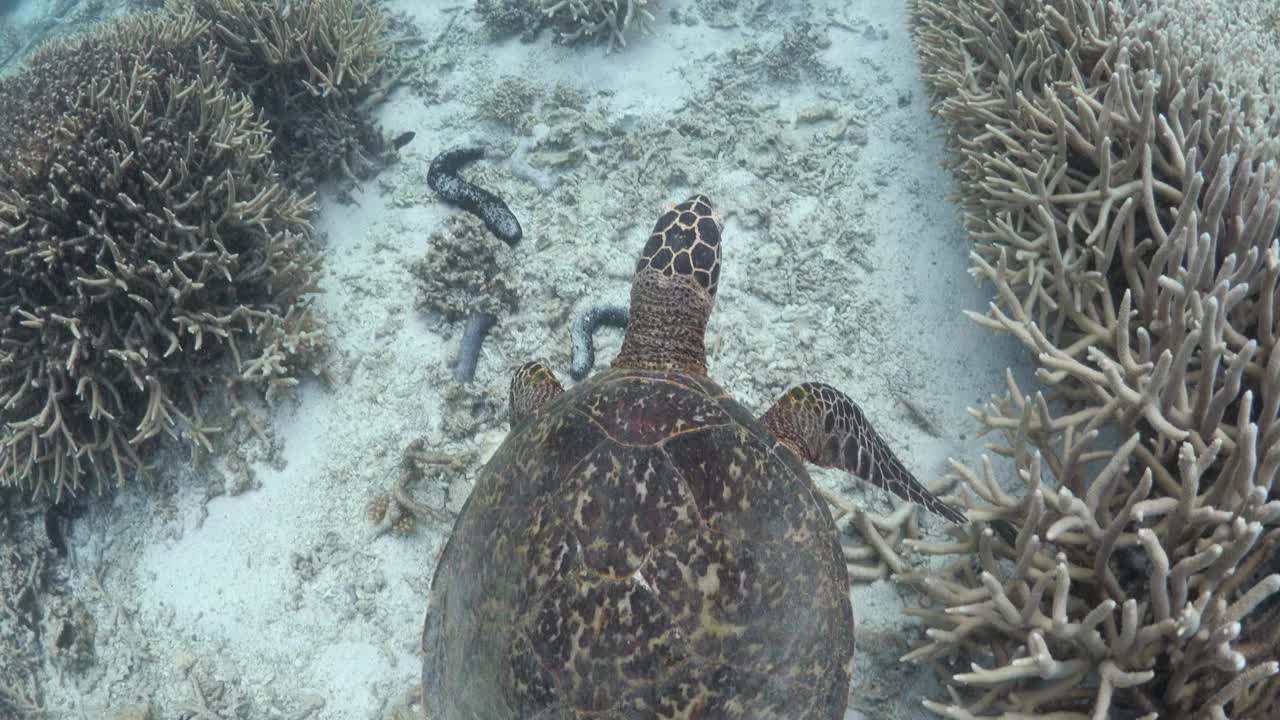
[(673, 291), (666, 326)]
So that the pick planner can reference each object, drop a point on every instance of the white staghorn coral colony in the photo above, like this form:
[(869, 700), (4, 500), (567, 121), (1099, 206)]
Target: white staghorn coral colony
[(593, 18), (1130, 232)]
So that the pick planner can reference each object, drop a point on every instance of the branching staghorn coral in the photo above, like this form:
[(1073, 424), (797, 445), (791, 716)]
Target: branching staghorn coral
[(594, 19), (309, 65), (1131, 237), (146, 238), (288, 52)]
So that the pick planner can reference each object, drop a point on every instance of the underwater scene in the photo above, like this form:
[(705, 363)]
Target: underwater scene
[(639, 359)]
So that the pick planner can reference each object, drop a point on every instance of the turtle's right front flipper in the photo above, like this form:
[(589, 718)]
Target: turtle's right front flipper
[(825, 427)]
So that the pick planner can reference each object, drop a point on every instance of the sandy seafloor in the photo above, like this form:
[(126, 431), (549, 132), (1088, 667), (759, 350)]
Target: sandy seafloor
[(844, 262)]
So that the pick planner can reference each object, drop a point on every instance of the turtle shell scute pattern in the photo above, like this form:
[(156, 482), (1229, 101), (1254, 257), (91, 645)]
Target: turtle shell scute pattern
[(641, 548)]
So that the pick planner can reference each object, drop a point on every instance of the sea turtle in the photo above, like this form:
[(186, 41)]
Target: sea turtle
[(642, 546)]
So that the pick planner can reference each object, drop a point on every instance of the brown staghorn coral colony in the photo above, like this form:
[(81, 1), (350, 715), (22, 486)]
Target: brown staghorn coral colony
[(308, 66), (141, 224), (150, 249), (1131, 237), (286, 54)]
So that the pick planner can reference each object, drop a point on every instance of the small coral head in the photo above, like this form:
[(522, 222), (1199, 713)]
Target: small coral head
[(674, 290)]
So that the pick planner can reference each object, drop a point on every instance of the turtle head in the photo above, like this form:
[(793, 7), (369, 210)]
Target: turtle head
[(673, 291)]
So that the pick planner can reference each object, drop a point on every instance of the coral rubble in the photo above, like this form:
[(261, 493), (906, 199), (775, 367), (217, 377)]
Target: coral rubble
[(146, 238), (23, 580), (1131, 236)]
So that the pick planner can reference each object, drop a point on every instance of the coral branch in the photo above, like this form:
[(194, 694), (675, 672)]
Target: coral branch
[(1130, 237)]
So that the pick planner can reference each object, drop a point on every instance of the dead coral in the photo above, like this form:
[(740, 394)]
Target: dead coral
[(465, 270), (69, 632), (1131, 236), (797, 53), (23, 583), (510, 100), (599, 19), (396, 510), (146, 238)]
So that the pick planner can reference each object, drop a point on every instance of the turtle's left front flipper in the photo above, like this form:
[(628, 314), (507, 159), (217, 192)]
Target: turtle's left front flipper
[(825, 427), (533, 385)]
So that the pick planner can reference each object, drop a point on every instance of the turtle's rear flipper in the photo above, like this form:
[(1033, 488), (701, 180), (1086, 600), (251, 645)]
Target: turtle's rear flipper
[(532, 386), (823, 426)]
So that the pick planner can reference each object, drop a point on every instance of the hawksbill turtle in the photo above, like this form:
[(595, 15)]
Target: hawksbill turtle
[(642, 545)]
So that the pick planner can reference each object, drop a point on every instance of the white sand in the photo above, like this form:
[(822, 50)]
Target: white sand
[(279, 605)]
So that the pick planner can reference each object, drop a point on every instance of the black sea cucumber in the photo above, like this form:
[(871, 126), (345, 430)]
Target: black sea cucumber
[(57, 521), (478, 325), (444, 179), (583, 332)]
